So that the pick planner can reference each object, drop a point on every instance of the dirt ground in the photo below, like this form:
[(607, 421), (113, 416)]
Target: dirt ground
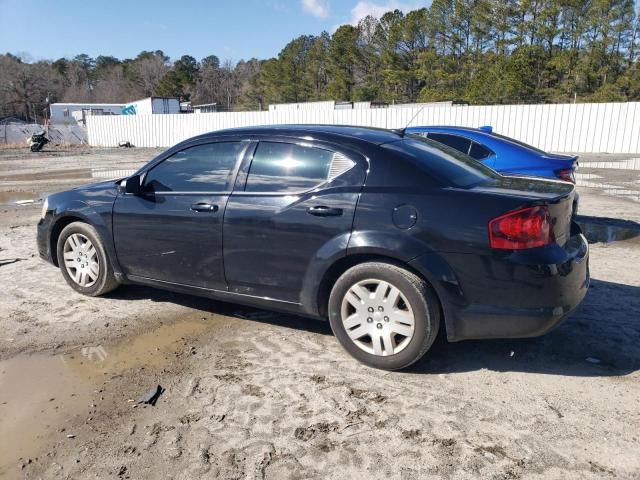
[(255, 394)]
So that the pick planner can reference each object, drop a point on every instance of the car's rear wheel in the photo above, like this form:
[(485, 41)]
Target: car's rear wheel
[(384, 315), (83, 260)]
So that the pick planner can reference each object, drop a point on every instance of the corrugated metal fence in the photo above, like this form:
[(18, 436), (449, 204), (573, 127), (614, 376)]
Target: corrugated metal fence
[(17, 134), (587, 127)]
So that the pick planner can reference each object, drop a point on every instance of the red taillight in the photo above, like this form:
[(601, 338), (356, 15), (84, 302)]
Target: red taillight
[(566, 174), (526, 228)]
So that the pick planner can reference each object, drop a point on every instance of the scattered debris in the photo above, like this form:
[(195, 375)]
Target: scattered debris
[(25, 202), (152, 396), (71, 435), (555, 410), (9, 261)]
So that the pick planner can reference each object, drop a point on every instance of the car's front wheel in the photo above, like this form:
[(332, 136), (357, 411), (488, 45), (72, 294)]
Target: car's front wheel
[(83, 260), (384, 315)]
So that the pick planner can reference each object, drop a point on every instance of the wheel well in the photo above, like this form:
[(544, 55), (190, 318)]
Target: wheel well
[(55, 235), (345, 263)]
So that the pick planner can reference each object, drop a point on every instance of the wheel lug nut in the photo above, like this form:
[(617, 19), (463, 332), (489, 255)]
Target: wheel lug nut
[(370, 309), (381, 309), (379, 325), (386, 319), (369, 320)]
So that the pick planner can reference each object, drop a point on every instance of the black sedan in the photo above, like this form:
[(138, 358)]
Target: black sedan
[(390, 236)]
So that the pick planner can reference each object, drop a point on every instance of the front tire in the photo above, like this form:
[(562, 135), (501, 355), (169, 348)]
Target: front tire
[(83, 260), (383, 315)]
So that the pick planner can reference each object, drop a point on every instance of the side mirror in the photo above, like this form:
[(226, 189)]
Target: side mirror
[(132, 185)]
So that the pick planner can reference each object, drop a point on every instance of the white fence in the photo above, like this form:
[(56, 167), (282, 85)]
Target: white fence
[(580, 128)]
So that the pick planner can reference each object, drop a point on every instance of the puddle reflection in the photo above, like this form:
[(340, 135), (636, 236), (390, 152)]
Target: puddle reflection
[(602, 230), (41, 394)]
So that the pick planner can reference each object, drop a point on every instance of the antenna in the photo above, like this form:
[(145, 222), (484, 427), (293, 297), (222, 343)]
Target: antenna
[(401, 131)]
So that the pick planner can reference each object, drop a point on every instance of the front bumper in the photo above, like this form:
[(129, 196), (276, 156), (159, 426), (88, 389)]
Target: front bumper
[(514, 294), (42, 239)]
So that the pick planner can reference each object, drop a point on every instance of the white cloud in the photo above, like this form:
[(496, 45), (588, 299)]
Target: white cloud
[(364, 8), (317, 8)]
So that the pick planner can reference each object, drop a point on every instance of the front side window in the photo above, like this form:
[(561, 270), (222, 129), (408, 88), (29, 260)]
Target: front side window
[(286, 167), (203, 168), (454, 141)]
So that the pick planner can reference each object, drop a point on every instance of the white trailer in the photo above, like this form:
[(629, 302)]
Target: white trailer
[(152, 106), (71, 113)]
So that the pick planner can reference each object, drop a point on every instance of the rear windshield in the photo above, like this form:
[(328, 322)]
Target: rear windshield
[(446, 164), (519, 143)]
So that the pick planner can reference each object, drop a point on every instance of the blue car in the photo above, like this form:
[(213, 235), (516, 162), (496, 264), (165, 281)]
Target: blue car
[(504, 154)]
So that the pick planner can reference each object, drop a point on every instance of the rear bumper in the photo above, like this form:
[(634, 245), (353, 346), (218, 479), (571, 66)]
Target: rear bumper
[(514, 294)]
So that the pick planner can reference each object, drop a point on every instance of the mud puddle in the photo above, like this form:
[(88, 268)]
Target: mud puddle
[(43, 396), (607, 230), (10, 197)]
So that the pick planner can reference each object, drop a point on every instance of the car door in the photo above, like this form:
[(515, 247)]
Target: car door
[(294, 203), (172, 231)]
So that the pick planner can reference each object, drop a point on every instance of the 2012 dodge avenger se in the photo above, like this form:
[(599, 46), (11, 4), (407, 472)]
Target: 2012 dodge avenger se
[(389, 236)]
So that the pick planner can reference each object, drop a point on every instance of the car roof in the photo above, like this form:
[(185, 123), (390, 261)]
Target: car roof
[(375, 136), (446, 128)]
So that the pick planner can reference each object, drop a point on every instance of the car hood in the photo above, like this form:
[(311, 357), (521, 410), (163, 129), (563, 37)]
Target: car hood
[(107, 187)]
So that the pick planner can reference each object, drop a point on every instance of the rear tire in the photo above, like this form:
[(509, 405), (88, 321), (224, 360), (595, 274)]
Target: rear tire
[(383, 315), (83, 260)]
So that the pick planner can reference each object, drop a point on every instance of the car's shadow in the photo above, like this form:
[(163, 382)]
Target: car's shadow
[(601, 338), (295, 322)]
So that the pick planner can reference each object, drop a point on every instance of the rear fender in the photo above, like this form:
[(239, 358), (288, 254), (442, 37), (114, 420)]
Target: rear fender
[(328, 255), (446, 285)]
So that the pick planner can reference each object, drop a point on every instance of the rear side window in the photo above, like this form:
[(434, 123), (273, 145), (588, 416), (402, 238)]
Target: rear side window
[(479, 152), (446, 164), (203, 168), (286, 167), (454, 141)]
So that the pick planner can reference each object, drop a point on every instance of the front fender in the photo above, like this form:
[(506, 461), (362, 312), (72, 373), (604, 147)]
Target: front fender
[(98, 214)]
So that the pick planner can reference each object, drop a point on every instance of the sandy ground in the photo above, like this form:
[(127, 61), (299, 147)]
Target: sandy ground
[(254, 394)]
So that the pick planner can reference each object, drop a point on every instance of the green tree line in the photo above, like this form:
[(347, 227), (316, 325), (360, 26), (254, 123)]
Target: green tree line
[(475, 51)]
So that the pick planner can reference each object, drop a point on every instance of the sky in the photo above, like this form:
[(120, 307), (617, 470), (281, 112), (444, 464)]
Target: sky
[(230, 29)]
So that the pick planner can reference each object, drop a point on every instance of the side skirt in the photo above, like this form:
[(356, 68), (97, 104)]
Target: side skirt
[(231, 297)]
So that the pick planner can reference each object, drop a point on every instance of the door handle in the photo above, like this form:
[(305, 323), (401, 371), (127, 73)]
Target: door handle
[(323, 211), (204, 207)]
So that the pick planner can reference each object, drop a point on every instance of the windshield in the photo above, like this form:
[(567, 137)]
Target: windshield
[(446, 164), (521, 144)]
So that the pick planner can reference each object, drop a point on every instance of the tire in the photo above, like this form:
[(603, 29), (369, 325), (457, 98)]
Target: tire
[(386, 296), (87, 270)]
